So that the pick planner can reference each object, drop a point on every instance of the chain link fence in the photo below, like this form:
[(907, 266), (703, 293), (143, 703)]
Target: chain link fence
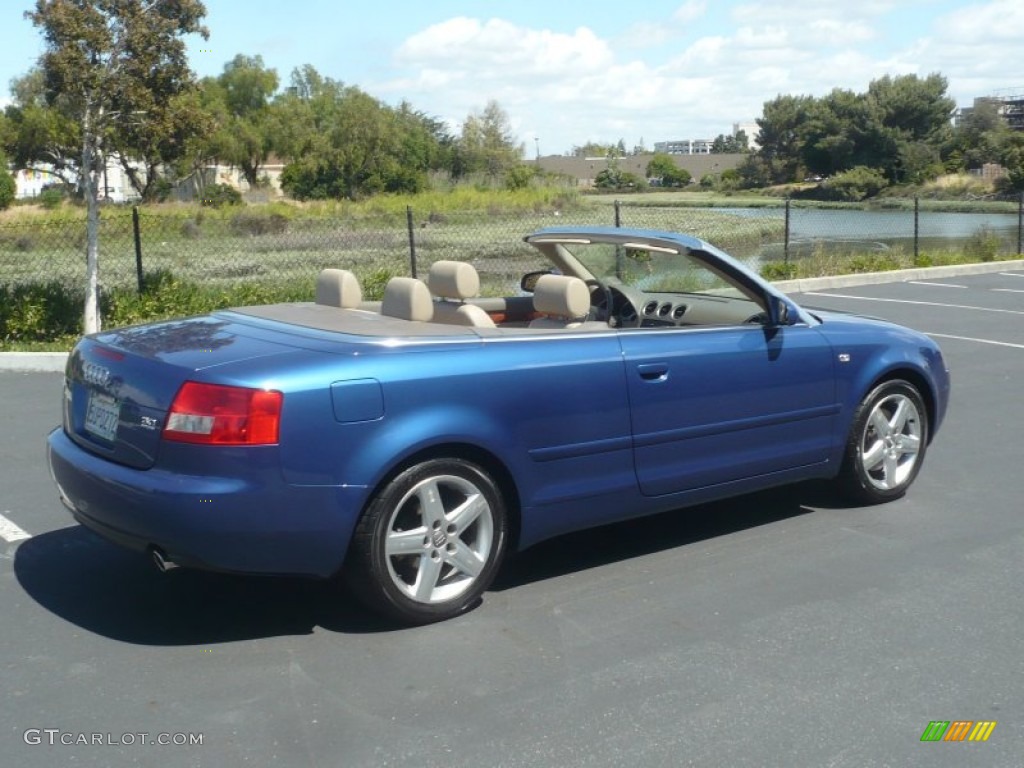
[(255, 245)]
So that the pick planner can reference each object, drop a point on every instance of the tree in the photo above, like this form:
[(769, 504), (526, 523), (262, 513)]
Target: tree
[(1012, 158), (486, 144), (107, 65), (662, 166), (781, 135), (8, 187), (898, 127), (978, 139), (240, 97), (342, 143), (40, 133), (730, 144)]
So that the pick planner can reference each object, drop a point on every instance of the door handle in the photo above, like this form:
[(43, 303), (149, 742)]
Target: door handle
[(653, 371)]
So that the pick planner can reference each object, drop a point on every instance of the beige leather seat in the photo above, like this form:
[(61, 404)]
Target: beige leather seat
[(338, 288), (408, 299), (453, 282), (564, 302)]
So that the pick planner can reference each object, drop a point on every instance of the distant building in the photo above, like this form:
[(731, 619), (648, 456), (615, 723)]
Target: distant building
[(1009, 105), (585, 169), (753, 131), (114, 183), (684, 147), (704, 146)]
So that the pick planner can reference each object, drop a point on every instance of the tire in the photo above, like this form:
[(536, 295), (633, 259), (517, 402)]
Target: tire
[(429, 543), (886, 445)]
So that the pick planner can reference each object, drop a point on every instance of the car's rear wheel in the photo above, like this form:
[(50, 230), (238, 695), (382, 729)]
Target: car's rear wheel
[(886, 445), (430, 542)]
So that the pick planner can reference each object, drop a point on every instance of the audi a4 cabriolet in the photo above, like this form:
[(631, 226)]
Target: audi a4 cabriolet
[(405, 446)]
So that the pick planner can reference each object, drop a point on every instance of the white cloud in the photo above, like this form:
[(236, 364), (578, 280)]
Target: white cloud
[(690, 11), (496, 48), (723, 63)]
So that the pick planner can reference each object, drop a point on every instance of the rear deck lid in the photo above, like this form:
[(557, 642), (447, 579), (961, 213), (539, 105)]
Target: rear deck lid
[(119, 384)]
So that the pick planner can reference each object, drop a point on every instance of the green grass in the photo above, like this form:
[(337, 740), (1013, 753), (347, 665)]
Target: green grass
[(827, 263)]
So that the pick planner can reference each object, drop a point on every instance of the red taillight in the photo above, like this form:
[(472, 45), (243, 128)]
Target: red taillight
[(213, 414)]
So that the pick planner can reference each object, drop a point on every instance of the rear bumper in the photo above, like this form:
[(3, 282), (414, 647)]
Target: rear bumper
[(248, 522)]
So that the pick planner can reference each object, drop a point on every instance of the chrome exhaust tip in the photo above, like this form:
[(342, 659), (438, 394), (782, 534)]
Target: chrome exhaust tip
[(163, 564)]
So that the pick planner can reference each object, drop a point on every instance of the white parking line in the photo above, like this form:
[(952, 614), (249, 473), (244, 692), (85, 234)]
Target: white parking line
[(1008, 290), (11, 533), (920, 303), (1012, 274), (937, 285), (980, 341)]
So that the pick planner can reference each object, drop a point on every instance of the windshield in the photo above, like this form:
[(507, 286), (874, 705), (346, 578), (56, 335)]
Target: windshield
[(651, 269)]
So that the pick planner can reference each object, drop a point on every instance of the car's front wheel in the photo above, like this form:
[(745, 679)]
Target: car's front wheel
[(430, 542), (886, 445)]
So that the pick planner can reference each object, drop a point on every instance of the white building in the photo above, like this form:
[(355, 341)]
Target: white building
[(114, 184)]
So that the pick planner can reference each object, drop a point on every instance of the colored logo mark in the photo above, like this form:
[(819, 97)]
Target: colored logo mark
[(958, 730)]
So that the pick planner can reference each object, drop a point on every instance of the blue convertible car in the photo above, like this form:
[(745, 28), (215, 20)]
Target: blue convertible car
[(407, 445)]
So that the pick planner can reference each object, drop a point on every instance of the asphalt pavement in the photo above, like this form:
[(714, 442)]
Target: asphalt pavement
[(779, 629)]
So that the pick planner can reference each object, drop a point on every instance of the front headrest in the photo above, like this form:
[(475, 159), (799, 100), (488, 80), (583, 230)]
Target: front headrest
[(453, 280), (561, 295), (407, 298)]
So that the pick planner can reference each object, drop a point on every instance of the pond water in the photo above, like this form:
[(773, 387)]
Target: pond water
[(846, 229)]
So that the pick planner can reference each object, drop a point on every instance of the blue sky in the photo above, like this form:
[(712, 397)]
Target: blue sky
[(568, 72)]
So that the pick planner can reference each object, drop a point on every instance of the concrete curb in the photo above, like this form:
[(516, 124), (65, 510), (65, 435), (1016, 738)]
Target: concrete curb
[(54, 361), (895, 276), (34, 362)]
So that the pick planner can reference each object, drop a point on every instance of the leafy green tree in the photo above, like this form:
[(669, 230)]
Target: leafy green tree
[(912, 110), (8, 187), (898, 127), (662, 166), (978, 139), (1012, 158), (240, 99), (596, 149), (730, 144), (342, 143), (781, 136), (38, 132), (109, 66), (486, 144)]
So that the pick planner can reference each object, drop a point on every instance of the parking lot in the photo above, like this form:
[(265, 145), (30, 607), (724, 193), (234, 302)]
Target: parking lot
[(779, 629)]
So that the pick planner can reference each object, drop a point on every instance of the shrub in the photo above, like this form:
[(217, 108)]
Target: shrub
[(190, 229), (778, 270), (251, 223), (519, 176), (855, 184), (373, 284), (51, 198), (983, 245), (39, 311), (218, 195)]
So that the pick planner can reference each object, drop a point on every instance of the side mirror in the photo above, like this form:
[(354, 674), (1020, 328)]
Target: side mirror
[(529, 281), (782, 312)]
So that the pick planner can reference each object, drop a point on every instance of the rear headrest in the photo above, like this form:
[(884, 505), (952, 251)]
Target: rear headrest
[(338, 288), (453, 280), (561, 295), (407, 298)]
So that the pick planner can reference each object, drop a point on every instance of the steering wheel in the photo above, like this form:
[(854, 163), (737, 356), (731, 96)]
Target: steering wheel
[(605, 305)]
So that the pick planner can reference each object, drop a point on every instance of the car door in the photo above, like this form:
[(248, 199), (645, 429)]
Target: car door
[(712, 405)]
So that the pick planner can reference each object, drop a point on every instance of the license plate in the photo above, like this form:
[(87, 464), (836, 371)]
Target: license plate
[(101, 416)]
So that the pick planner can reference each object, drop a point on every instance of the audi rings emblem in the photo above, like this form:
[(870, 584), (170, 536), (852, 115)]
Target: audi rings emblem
[(95, 374)]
